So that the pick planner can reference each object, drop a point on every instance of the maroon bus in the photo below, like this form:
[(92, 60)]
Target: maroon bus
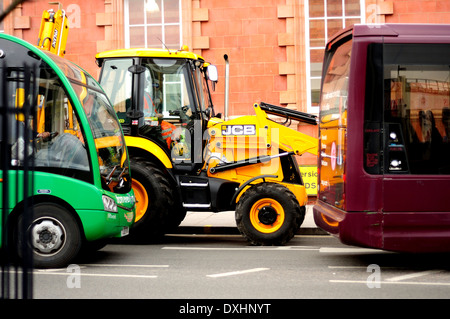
[(384, 162)]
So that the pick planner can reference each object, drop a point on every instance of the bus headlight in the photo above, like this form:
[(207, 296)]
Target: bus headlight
[(109, 204)]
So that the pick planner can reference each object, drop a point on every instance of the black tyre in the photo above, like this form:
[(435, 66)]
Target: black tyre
[(177, 215), (269, 214), (154, 200), (54, 236)]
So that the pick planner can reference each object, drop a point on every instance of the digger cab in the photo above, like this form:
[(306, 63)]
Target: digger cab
[(163, 96)]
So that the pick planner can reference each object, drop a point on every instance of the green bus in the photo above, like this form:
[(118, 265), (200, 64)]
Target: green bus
[(81, 187)]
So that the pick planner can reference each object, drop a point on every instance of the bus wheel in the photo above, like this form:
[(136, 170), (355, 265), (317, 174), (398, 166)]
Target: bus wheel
[(268, 214), (54, 236), (153, 199)]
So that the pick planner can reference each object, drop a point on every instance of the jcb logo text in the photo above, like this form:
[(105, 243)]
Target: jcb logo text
[(238, 130)]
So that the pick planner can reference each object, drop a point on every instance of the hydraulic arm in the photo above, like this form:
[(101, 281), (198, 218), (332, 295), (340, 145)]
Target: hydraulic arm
[(289, 139), (288, 113), (53, 32)]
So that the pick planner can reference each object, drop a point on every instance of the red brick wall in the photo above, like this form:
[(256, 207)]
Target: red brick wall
[(248, 33), (423, 11)]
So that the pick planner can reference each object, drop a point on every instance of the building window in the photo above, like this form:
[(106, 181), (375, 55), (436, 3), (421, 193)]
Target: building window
[(153, 23), (324, 19)]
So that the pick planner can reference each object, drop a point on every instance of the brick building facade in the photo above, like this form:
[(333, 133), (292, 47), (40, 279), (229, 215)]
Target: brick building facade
[(275, 46)]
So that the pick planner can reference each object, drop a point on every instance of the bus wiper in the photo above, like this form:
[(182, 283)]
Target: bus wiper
[(121, 180), (109, 176), (125, 169)]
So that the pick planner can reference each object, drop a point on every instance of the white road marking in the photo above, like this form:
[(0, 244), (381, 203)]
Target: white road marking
[(347, 267), (240, 272), (92, 275), (359, 267), (63, 271), (120, 265), (281, 248), (414, 275), (393, 282), (350, 250), (53, 269)]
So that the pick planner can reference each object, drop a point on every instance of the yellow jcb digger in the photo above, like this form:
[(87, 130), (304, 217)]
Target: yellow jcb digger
[(186, 157)]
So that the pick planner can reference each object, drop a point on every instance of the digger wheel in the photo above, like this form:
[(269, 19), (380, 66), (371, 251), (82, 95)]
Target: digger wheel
[(269, 214), (153, 199)]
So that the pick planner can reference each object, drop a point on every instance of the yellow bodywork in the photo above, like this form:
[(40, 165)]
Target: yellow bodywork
[(150, 52), (150, 147), (252, 137)]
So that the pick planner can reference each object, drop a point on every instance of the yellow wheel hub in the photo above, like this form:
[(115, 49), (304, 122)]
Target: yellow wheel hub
[(141, 199), (267, 215)]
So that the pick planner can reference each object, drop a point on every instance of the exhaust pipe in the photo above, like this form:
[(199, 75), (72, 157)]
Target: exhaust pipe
[(227, 86)]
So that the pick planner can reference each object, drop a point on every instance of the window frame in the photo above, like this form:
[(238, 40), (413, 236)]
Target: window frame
[(162, 25), (309, 78)]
